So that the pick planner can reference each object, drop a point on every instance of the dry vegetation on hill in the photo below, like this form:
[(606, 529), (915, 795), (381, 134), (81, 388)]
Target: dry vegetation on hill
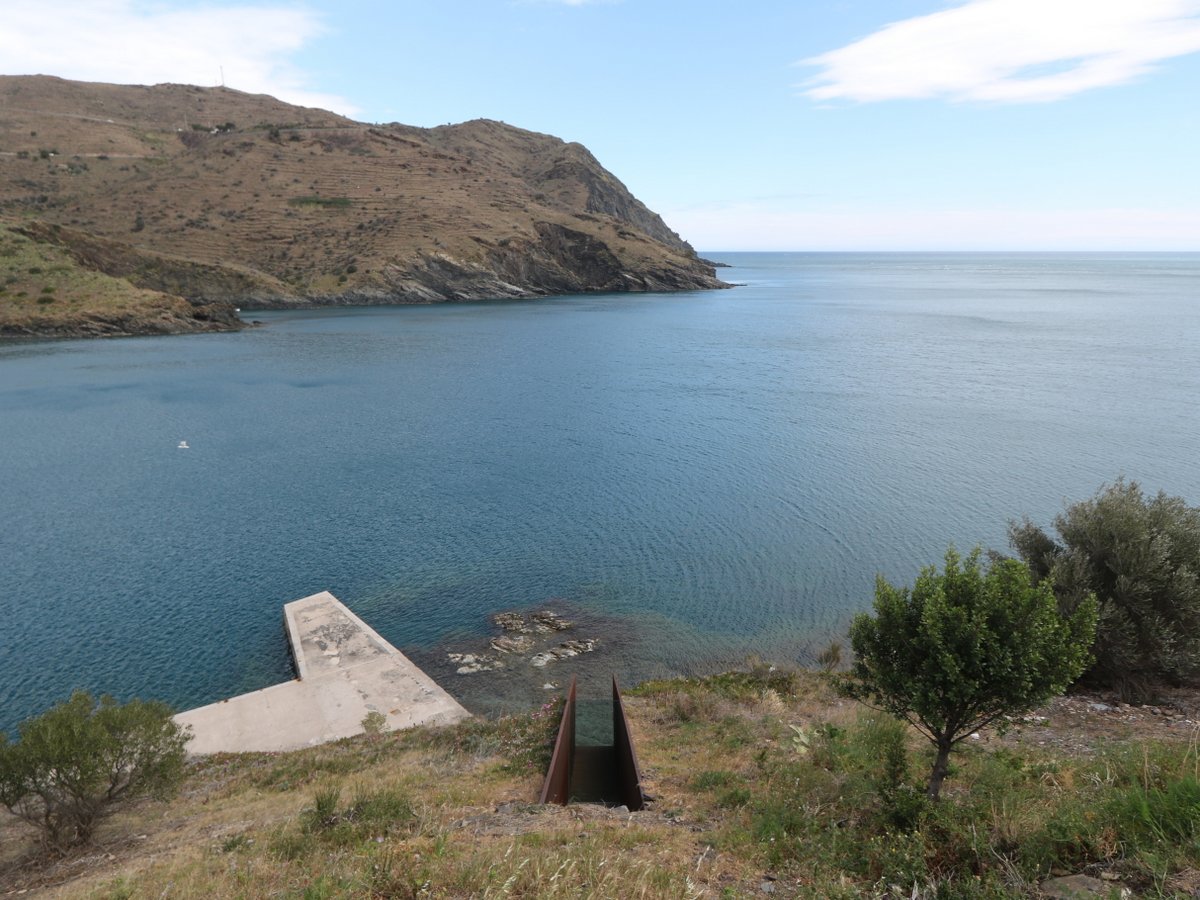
[(304, 206)]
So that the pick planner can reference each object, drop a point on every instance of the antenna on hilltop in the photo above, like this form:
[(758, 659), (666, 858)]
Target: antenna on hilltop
[(222, 76)]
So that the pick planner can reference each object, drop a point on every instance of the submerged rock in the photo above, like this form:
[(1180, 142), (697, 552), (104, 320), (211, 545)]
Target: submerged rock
[(519, 644), (544, 622), (471, 663), (563, 651), (512, 623), (523, 635), (548, 620)]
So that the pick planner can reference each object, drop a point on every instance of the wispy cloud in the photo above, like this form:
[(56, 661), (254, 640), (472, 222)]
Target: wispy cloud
[(124, 41), (1009, 51)]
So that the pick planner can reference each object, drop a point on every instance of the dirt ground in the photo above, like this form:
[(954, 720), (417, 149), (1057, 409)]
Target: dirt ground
[(1082, 723)]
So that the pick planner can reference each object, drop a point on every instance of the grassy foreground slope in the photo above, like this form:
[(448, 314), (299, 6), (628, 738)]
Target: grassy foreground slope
[(764, 783)]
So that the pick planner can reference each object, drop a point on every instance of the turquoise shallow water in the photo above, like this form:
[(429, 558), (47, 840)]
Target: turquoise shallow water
[(693, 476)]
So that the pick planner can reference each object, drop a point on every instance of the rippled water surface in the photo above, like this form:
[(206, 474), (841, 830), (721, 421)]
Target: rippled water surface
[(693, 477)]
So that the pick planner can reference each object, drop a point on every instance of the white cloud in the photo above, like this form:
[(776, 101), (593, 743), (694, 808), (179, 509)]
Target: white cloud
[(129, 42), (1009, 51), (768, 227)]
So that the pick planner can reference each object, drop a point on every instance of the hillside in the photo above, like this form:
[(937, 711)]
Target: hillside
[(763, 783), (264, 204), (46, 291)]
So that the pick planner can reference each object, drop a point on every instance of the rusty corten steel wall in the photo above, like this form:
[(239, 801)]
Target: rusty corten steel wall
[(557, 787), (629, 777)]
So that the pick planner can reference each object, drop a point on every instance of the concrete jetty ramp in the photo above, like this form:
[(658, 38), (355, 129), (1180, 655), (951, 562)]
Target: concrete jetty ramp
[(345, 671)]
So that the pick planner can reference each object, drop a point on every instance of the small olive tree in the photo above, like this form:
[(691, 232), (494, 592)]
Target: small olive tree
[(77, 759), (964, 648), (1140, 556)]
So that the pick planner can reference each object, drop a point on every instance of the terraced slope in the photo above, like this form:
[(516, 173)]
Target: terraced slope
[(275, 205)]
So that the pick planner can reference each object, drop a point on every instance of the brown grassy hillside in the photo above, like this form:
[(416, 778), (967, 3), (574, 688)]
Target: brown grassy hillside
[(304, 206)]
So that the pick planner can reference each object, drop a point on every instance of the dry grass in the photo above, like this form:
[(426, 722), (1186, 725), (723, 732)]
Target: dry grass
[(738, 802), (236, 828)]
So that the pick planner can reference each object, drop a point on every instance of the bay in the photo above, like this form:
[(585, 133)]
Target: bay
[(693, 477)]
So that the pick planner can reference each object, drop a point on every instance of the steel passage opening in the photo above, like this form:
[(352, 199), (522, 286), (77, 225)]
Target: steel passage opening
[(594, 772)]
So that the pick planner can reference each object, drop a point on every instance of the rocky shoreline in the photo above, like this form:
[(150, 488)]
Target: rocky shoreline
[(524, 640)]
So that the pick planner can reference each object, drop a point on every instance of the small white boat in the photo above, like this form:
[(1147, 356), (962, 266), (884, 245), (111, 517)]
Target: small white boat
[(183, 445)]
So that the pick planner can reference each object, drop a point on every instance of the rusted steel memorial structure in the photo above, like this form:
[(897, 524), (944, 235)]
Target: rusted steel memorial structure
[(606, 773)]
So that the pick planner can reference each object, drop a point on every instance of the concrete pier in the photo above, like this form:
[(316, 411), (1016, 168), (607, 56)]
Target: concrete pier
[(346, 670)]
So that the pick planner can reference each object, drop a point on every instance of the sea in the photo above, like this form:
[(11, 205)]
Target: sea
[(696, 479)]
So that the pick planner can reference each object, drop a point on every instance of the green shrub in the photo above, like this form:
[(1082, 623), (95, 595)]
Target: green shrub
[(77, 759), (964, 648), (1140, 556)]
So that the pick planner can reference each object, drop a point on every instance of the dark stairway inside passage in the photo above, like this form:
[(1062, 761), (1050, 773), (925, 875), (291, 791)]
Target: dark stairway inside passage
[(594, 760)]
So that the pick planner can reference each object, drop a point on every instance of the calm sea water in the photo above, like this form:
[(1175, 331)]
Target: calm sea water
[(694, 477)]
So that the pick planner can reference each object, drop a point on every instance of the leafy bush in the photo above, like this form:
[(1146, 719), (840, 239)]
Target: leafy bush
[(77, 759), (1140, 556), (964, 648)]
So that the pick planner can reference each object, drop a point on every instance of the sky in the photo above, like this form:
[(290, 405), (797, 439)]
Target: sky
[(759, 125)]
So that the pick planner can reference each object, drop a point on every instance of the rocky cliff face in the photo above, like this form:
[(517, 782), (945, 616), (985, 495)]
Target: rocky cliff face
[(218, 196)]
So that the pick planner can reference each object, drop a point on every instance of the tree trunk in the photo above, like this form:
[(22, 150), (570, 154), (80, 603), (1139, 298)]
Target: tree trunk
[(941, 766)]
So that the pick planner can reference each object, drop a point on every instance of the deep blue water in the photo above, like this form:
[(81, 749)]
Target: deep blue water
[(695, 476)]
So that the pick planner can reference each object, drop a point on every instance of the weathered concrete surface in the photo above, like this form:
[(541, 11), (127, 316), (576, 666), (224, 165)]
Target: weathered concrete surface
[(346, 671)]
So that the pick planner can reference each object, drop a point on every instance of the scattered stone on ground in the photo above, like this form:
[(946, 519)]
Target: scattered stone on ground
[(1083, 887), (1080, 723)]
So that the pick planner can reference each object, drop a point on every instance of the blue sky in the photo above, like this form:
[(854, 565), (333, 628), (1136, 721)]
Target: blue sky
[(847, 124)]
